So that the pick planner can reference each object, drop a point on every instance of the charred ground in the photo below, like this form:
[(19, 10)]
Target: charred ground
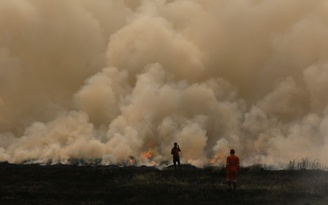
[(72, 184)]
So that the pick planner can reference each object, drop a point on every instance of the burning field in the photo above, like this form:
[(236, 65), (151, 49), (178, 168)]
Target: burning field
[(93, 95), (74, 184), (121, 80)]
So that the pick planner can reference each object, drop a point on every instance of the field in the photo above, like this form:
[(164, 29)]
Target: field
[(72, 184)]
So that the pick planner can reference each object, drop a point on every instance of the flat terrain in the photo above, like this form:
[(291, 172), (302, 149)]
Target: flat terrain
[(72, 184)]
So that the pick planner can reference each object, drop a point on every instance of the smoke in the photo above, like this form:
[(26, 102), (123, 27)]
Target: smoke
[(111, 79)]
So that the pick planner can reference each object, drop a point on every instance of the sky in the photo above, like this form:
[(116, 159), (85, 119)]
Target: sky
[(111, 79)]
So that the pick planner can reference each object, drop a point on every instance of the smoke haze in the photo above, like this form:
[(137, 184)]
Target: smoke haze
[(110, 79)]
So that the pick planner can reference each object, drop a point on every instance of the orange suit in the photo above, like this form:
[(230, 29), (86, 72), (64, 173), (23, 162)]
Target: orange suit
[(232, 167)]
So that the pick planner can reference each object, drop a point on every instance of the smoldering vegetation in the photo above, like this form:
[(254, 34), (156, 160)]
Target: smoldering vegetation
[(110, 79)]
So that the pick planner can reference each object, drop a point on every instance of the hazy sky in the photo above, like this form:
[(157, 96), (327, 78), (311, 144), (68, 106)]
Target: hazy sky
[(111, 79)]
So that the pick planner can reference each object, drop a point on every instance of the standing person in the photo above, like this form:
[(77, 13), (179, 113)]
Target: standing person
[(232, 169), (176, 157)]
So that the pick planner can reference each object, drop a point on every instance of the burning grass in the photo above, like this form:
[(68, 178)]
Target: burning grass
[(72, 184)]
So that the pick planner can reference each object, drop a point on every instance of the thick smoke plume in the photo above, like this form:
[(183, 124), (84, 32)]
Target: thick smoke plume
[(111, 79)]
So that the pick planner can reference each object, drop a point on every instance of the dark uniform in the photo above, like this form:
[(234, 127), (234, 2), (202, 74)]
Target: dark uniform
[(176, 157)]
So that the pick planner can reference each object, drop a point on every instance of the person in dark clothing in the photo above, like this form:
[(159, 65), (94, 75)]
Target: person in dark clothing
[(176, 157)]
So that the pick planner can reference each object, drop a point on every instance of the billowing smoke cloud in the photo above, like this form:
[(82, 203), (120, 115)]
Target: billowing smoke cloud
[(111, 79)]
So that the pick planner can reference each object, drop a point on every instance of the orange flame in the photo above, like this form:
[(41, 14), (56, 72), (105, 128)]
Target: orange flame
[(218, 159), (148, 155)]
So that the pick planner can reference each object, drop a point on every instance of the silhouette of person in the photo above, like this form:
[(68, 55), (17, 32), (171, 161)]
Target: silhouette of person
[(232, 170), (176, 157)]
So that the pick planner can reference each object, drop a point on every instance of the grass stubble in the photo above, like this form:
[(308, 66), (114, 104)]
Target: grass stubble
[(68, 184)]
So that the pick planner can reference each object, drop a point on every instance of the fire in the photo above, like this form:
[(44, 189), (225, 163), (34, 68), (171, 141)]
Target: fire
[(132, 161), (148, 155), (218, 159), (212, 161)]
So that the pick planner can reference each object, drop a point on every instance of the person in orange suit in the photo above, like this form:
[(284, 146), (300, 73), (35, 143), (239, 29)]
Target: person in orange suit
[(232, 170)]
